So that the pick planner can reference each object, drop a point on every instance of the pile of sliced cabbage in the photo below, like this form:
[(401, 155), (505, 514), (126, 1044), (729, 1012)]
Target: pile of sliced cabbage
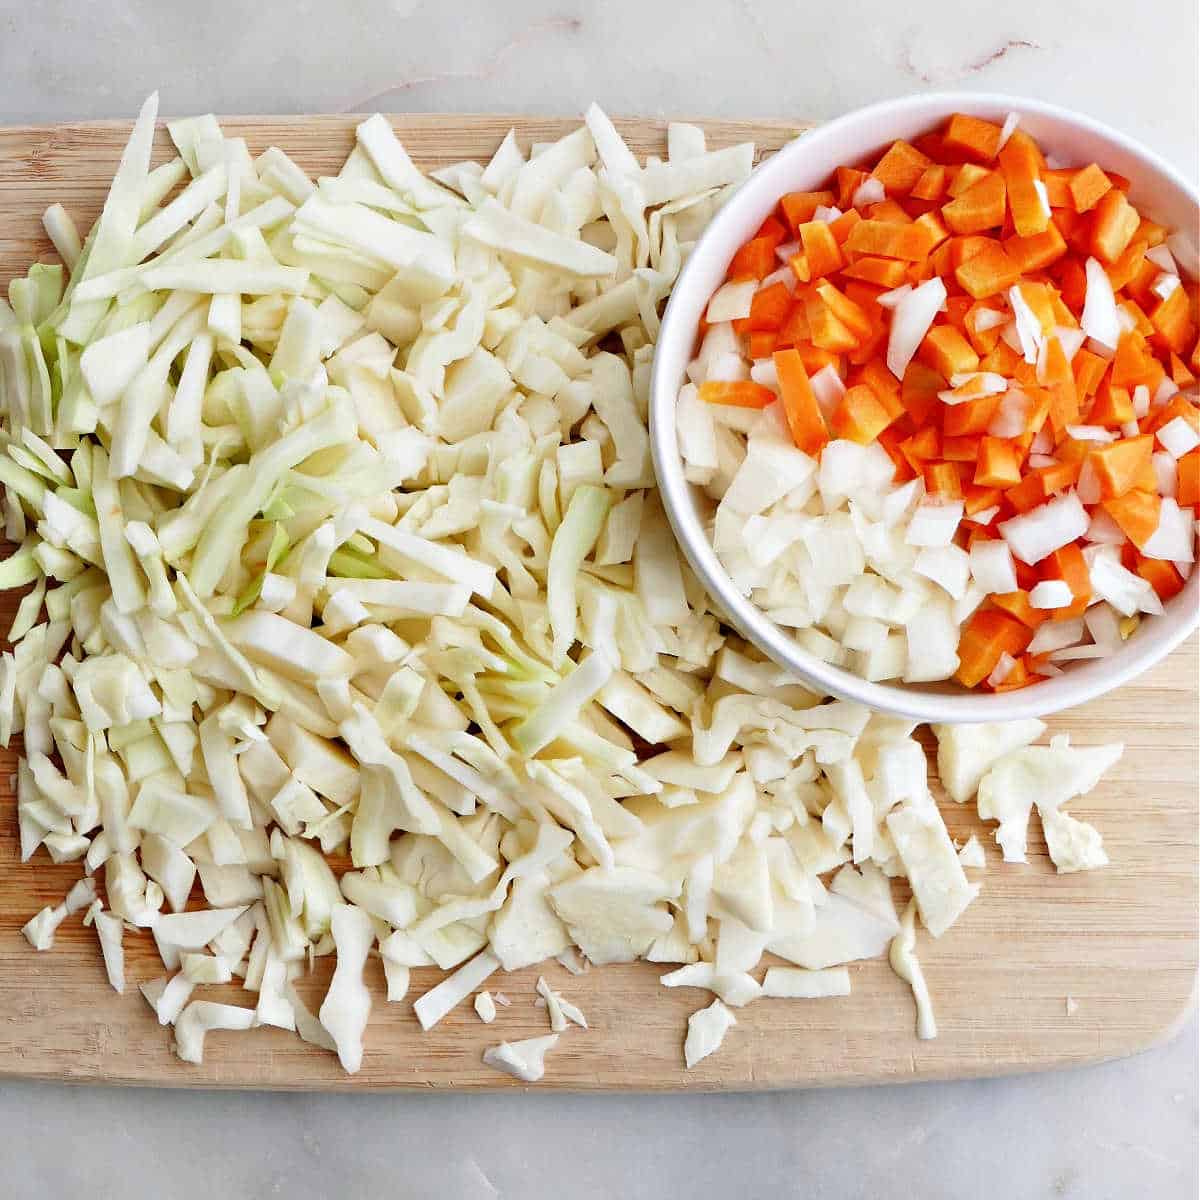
[(353, 601)]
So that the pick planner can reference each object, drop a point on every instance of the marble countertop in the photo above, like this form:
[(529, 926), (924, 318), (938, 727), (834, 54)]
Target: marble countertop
[(1118, 1130)]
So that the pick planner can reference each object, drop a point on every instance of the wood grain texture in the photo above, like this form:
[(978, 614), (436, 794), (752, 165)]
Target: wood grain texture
[(1121, 942)]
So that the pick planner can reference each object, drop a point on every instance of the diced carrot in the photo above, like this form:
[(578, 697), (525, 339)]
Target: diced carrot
[(988, 634), (1113, 406), (1180, 375), (884, 272), (887, 239), (772, 230), (826, 330), (859, 416), (1187, 490), (1151, 232), (972, 136), (1072, 283), (768, 309), (1003, 360), (942, 479), (1114, 222), (842, 226), (800, 268), (924, 446), (900, 168), (963, 178), (888, 210), (850, 314), (947, 351), (919, 391), (741, 393), (804, 418), (988, 272), (1060, 384), (974, 416), (1058, 188), (932, 184), (1120, 464), (1161, 576), (1172, 321), (794, 329), (814, 357), (1144, 278), (1021, 163), (1126, 268), (932, 225), (1136, 512), (980, 207), (1027, 494), (821, 251), (755, 260), (847, 181), (1038, 251), (798, 207), (1017, 604), (1088, 369), (998, 465), (1132, 360), (1087, 186), (884, 384), (1069, 565), (960, 449), (977, 499), (762, 343)]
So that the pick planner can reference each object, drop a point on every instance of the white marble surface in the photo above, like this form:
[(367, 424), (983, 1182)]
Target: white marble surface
[(1121, 1130)]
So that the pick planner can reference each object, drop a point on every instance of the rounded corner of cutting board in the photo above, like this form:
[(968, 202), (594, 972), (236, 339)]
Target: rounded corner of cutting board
[(1121, 942)]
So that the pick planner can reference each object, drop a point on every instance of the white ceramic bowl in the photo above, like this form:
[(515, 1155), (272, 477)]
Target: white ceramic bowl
[(1156, 188)]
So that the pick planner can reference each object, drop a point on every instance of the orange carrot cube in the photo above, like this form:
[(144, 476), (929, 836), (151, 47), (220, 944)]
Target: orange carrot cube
[(804, 418), (1087, 186), (1114, 222), (972, 136)]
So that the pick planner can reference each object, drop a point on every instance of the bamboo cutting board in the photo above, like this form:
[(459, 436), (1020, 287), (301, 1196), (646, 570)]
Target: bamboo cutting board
[(1120, 943)]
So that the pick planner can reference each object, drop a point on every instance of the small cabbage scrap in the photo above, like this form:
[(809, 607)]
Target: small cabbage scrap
[(524, 1060)]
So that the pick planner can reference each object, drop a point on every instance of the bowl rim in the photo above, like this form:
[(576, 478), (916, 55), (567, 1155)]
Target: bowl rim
[(1073, 687)]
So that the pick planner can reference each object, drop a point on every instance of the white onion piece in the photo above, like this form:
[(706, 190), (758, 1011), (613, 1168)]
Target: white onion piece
[(1002, 670), (1051, 593), (828, 389), (1164, 285), (1178, 437), (1104, 625), (1091, 433), (1100, 319), (1054, 635), (1175, 538), (910, 323), (870, 191), (892, 299), (1166, 473), (1008, 128), (1141, 401), (992, 567), (1029, 328), (988, 318), (1049, 527), (1162, 258), (731, 301)]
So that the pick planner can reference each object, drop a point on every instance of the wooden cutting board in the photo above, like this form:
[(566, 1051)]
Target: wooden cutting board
[(1120, 943)]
